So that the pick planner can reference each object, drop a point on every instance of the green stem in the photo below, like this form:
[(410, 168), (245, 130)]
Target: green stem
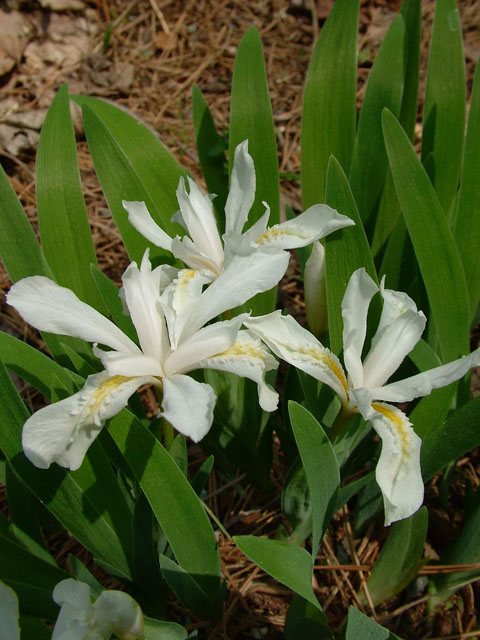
[(341, 420), (167, 429)]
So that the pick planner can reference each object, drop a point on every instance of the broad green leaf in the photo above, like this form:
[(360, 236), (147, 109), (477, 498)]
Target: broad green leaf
[(177, 508), (400, 557), (351, 489), (211, 149), (178, 453), (161, 630), (468, 217), (296, 503), (251, 119), (345, 251), (411, 11), (305, 621), (463, 549), (131, 164), (188, 590), (445, 103), (458, 435), (384, 89), (434, 246), (287, 563), (321, 469), (200, 479), (361, 627), (329, 108), (80, 572), (34, 628), (110, 294), (62, 215), (32, 579), (88, 502)]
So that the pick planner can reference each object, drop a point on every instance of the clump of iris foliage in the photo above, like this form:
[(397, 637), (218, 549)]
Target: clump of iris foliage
[(383, 234)]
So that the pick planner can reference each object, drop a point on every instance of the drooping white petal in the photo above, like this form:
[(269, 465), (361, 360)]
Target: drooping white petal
[(9, 629), (75, 620), (242, 189), (288, 340), (314, 223), (396, 342), (248, 358), (49, 307), (244, 278), (206, 342), (188, 405), (142, 295), (120, 614), (186, 250), (179, 300), (197, 213), (398, 472), (316, 291), (140, 218), (360, 290), (423, 383), (63, 431)]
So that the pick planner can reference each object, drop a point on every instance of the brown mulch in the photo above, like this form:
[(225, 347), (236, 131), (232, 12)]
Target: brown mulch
[(146, 55)]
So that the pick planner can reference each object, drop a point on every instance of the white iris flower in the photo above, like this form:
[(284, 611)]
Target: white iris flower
[(364, 390), (203, 250), (114, 612), (169, 317), (9, 629)]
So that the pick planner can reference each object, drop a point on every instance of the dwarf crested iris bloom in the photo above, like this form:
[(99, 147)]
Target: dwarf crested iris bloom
[(114, 612), (169, 316), (364, 389), (203, 249)]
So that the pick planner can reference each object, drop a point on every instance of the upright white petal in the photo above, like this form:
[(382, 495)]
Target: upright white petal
[(206, 342), (316, 291), (9, 629), (140, 218), (63, 431), (120, 614), (396, 342), (48, 307), (75, 619), (423, 383), (197, 213), (142, 295), (188, 405), (358, 294), (288, 340), (398, 472), (247, 358), (242, 189), (314, 223), (186, 250), (243, 244), (242, 280)]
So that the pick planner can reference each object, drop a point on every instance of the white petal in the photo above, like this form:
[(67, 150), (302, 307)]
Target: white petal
[(314, 223), (423, 383), (188, 405), (187, 251), (9, 629), (62, 432), (197, 213), (398, 472), (206, 342), (360, 290), (242, 189), (316, 291), (124, 364), (142, 294), (243, 244), (248, 358), (396, 342), (120, 614), (244, 277), (76, 613), (49, 307), (179, 301), (288, 340), (140, 218)]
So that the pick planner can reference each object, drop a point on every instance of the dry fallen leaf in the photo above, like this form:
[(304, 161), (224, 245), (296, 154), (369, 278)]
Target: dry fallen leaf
[(15, 32)]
